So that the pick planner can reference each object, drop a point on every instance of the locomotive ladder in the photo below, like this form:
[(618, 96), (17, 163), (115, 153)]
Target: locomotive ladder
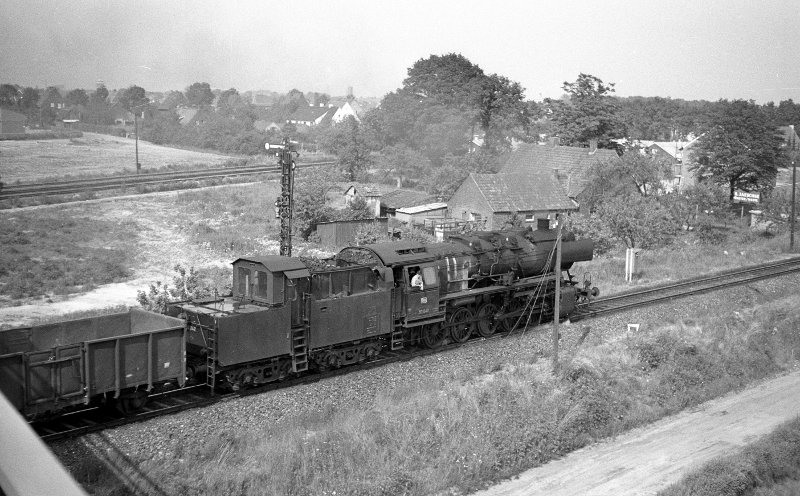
[(300, 339), (211, 356)]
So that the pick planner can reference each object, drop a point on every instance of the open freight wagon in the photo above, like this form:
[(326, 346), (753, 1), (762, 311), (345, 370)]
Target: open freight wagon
[(49, 368)]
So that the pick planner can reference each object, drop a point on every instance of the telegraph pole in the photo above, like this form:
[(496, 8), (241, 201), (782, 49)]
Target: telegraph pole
[(557, 305), (794, 183), (284, 205)]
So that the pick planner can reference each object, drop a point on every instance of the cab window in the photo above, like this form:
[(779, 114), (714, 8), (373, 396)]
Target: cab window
[(430, 276), (260, 284), (244, 281)]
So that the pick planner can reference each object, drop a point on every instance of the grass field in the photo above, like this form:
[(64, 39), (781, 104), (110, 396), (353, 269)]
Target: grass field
[(91, 155)]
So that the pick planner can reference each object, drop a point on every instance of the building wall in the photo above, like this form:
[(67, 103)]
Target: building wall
[(419, 218), (468, 201)]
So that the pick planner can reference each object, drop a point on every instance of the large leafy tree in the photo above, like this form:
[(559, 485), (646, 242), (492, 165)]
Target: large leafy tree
[(199, 94), (351, 145), (132, 97), (77, 96), (633, 173), (586, 113), (742, 149), (638, 221), (10, 95)]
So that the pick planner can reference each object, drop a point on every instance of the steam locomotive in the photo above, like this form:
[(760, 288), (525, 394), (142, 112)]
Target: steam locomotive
[(285, 316)]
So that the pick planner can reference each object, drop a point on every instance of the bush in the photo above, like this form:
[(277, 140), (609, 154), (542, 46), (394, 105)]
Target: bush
[(592, 227)]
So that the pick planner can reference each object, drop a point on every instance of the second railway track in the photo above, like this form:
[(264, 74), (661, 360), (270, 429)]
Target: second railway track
[(120, 182), (87, 421)]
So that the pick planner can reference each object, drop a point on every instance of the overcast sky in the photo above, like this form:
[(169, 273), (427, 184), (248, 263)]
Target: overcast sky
[(672, 48)]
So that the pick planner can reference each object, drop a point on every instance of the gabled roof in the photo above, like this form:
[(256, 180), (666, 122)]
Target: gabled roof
[(400, 198), (522, 191), (275, 263), (363, 190), (310, 114), (571, 163)]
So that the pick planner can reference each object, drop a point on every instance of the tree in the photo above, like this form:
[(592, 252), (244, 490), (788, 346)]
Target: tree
[(633, 173), (174, 99), (77, 97), (199, 94), (404, 163), (638, 221), (312, 186), (347, 141), (444, 180), (587, 113), (132, 97), (50, 102), (10, 95), (100, 95), (742, 150)]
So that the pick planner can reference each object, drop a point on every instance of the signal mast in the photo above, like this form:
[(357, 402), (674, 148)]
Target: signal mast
[(284, 205)]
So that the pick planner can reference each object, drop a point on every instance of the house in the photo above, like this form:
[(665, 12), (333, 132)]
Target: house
[(193, 116), (401, 198), (370, 194), (783, 181), (266, 126), (476, 143), (416, 216), (490, 200), (121, 115), (12, 122), (677, 154), (569, 163), (312, 116), (348, 109)]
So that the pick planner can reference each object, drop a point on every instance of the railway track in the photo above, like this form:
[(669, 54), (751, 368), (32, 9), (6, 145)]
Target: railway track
[(97, 419), (122, 182)]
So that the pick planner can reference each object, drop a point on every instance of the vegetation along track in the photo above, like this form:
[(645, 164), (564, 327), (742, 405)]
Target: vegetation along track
[(92, 420), (119, 182)]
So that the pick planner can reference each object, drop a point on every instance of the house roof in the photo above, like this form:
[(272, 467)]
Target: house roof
[(400, 198), (310, 114), (364, 190), (570, 163), (422, 208), (185, 115), (522, 191), (11, 116), (789, 135), (275, 263)]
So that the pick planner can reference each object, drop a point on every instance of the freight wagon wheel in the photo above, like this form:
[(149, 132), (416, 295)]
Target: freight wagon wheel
[(433, 335), (487, 324), (461, 324), (130, 403)]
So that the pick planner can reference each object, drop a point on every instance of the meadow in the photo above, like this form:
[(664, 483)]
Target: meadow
[(93, 155)]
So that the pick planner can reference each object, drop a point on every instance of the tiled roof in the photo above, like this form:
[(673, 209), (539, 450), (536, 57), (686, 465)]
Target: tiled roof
[(310, 114), (400, 198), (571, 163), (364, 190), (522, 191)]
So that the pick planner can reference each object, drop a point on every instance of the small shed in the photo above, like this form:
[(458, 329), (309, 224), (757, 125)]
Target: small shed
[(11, 122), (370, 194), (417, 215), (341, 233)]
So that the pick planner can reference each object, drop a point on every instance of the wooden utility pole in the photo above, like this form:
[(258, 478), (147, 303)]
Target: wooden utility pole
[(557, 304), (794, 183)]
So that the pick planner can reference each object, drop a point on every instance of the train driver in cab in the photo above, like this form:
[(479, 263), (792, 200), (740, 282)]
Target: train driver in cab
[(416, 278)]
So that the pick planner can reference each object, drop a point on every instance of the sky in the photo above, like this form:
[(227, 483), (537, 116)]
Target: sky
[(670, 48)]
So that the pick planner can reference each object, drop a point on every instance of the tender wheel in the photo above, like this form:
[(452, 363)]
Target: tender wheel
[(461, 324), (433, 335), (284, 370), (487, 324), (130, 403)]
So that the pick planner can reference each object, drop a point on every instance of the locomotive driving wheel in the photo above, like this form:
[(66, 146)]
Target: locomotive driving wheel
[(460, 324), (487, 324), (433, 335), (510, 323)]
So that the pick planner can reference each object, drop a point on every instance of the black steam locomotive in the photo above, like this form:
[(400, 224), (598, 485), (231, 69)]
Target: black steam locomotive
[(286, 317)]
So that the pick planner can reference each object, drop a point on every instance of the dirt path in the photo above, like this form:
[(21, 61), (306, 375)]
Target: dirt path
[(646, 460)]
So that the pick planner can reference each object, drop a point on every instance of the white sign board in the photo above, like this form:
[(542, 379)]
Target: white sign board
[(746, 197)]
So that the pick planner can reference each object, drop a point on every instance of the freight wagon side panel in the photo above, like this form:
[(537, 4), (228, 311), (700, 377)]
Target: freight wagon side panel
[(12, 379), (135, 360), (351, 318), (247, 337)]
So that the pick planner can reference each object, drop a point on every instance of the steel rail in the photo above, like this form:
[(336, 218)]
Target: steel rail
[(116, 182), (97, 419)]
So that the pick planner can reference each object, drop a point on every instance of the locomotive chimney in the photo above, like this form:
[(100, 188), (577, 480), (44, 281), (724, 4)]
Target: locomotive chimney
[(542, 224)]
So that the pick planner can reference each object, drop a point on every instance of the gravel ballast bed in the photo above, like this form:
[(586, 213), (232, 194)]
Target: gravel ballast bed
[(162, 437)]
